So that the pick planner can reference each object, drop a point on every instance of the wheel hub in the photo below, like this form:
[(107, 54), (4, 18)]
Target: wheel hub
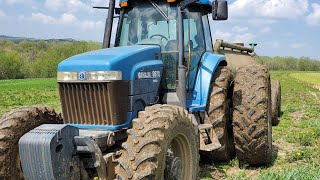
[(173, 169)]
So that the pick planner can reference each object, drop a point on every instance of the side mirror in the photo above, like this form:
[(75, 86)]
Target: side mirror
[(219, 10)]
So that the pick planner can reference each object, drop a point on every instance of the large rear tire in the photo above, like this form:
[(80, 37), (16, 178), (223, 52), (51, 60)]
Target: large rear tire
[(218, 110), (162, 140), (276, 101), (12, 127), (252, 115)]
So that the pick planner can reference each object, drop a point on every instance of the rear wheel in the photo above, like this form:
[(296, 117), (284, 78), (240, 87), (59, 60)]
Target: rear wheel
[(218, 110), (12, 127), (252, 115), (162, 144), (276, 101)]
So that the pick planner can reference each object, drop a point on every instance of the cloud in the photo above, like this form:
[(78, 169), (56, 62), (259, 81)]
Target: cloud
[(258, 22), (67, 19), (100, 2), (265, 30), (43, 18), (240, 29), (87, 25), (2, 14), (297, 45), (275, 44), (244, 38), (67, 5), (313, 18), (233, 36), (218, 34), (237, 34), (278, 9), (13, 2)]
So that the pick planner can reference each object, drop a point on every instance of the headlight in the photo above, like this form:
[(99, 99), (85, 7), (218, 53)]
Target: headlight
[(67, 76), (104, 75), (92, 76)]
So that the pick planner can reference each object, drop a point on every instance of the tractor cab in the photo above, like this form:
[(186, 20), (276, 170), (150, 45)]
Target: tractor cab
[(156, 23), (181, 29)]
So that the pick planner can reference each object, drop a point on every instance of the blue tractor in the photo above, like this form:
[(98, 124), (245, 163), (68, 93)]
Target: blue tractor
[(146, 108)]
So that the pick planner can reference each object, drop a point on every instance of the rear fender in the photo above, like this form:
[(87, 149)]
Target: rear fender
[(197, 100)]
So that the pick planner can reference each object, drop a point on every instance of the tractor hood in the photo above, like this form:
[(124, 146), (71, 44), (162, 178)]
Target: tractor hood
[(128, 59)]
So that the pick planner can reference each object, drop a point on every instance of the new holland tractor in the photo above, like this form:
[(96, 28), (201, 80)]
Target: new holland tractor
[(146, 108)]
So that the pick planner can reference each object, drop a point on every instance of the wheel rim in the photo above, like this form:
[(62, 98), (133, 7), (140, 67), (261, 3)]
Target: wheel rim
[(179, 159)]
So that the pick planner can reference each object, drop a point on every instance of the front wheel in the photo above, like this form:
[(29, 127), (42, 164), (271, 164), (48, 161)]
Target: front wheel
[(12, 127), (163, 144)]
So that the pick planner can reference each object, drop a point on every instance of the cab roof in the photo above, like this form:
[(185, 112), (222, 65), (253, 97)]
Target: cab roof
[(206, 4)]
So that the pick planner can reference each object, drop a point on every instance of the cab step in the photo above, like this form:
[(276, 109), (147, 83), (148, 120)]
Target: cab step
[(207, 143)]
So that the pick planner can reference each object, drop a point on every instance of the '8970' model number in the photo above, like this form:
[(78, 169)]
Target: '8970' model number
[(149, 75)]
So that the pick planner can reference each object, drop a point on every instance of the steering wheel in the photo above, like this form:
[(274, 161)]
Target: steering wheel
[(162, 36)]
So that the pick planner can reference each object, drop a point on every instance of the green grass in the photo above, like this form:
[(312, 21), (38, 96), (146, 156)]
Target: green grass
[(312, 78), (17, 93), (296, 138)]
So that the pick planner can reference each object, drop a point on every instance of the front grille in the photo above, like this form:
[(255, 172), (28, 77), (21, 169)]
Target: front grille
[(94, 103)]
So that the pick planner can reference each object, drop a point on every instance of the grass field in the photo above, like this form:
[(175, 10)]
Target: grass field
[(310, 78), (296, 139), (17, 93)]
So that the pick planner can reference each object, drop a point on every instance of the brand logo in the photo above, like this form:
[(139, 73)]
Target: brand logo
[(82, 76)]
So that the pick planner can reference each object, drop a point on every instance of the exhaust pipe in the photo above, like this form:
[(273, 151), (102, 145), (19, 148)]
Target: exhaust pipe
[(109, 22)]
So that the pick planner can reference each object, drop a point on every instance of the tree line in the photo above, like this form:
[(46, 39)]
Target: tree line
[(39, 59), (289, 63)]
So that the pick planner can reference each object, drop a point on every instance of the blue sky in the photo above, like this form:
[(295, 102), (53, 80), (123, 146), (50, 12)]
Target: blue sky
[(280, 27)]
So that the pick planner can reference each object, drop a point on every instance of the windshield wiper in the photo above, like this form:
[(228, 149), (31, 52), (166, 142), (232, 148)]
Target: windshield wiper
[(156, 6)]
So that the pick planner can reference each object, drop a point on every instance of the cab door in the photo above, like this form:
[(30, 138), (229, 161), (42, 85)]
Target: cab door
[(196, 42)]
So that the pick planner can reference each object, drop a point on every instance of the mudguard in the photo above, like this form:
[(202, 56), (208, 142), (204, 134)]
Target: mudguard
[(198, 98)]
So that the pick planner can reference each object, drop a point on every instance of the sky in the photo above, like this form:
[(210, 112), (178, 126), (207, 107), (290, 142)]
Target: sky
[(279, 27)]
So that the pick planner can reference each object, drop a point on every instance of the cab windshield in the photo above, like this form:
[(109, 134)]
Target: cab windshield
[(153, 22), (150, 22)]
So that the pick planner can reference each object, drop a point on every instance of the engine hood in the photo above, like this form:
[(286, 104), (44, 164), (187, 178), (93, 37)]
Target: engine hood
[(128, 59)]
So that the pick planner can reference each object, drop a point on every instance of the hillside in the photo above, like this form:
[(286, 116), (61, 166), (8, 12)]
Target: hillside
[(20, 39), (37, 58)]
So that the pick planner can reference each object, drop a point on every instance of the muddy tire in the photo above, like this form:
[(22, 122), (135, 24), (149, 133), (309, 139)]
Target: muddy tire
[(275, 101), (252, 115), (12, 127), (158, 130), (218, 109)]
